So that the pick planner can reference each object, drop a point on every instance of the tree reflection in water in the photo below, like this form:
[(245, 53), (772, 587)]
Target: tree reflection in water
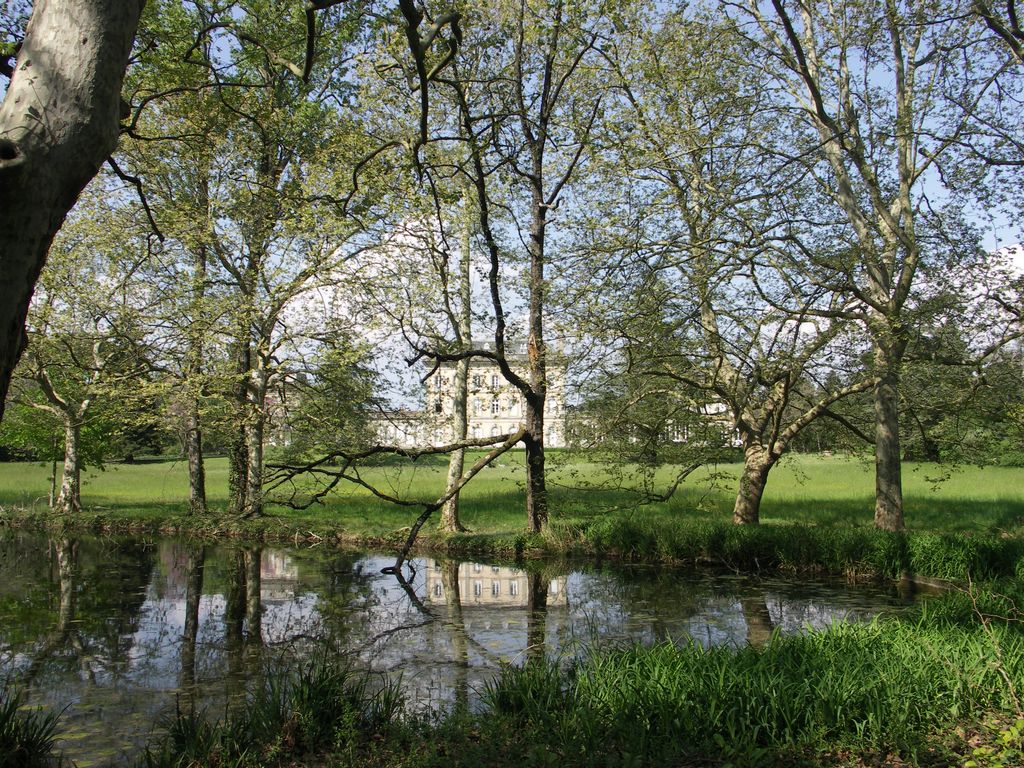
[(536, 616), (194, 569), (460, 643)]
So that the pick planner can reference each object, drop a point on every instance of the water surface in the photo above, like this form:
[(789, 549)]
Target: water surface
[(118, 630)]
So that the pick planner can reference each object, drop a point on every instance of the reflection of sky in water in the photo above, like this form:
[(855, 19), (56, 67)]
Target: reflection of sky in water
[(119, 665)]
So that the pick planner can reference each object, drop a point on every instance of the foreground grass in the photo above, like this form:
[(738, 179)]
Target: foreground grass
[(27, 736), (817, 515), (935, 689)]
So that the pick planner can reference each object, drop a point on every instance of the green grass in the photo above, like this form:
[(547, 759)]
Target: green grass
[(802, 489), (816, 514)]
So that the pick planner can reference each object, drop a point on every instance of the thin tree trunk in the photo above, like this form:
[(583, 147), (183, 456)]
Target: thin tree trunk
[(888, 466), (757, 463), (238, 451), (536, 488), (193, 421), (196, 468), (460, 427), (536, 485), (254, 462), (58, 123), (69, 500), (450, 521)]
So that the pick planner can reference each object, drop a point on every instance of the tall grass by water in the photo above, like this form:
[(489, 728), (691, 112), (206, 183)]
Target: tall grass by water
[(322, 706), (887, 687), (935, 689), (27, 736)]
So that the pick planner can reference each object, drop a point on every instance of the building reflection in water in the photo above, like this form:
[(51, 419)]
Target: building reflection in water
[(493, 585)]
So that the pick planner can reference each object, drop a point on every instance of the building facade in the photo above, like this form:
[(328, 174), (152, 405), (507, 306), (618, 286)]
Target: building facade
[(495, 407)]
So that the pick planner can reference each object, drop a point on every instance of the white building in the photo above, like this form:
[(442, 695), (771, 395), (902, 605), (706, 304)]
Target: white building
[(495, 407)]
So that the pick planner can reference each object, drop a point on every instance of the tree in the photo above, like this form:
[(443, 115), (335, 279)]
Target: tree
[(697, 294), (327, 403), (525, 116), (262, 142), (86, 363), (1005, 26), (872, 152), (58, 124)]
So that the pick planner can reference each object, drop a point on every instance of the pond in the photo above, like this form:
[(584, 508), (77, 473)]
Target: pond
[(115, 630)]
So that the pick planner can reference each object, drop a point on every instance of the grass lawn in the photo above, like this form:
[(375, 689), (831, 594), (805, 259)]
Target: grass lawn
[(821, 490)]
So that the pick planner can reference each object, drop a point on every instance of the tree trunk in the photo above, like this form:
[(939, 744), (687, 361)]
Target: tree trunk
[(193, 375), (58, 123), (238, 451), (460, 428), (69, 500), (888, 467), (536, 485), (450, 511), (194, 453), (757, 463), (254, 462), (536, 488)]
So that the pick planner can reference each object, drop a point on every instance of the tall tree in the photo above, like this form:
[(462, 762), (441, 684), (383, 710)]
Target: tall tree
[(696, 295), (525, 114), (86, 358), (872, 150), (263, 141)]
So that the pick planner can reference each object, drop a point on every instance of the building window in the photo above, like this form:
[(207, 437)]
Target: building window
[(495, 406), (494, 431), (478, 381), (513, 587), (438, 405), (476, 431), (478, 588), (495, 588), (438, 590), (494, 381), (476, 405)]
